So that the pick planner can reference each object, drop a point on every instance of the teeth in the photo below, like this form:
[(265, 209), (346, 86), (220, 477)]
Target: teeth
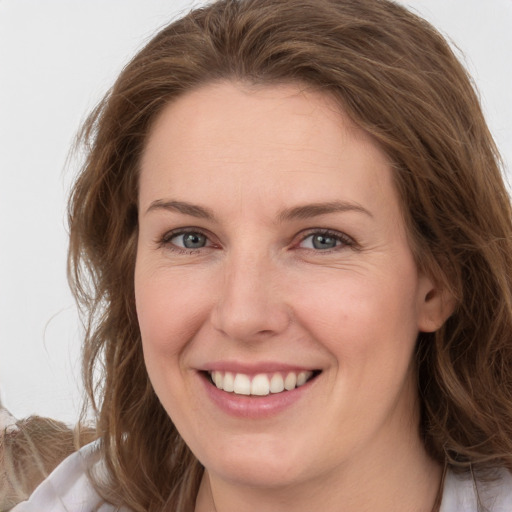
[(242, 385), (302, 379), (229, 382), (261, 384), (290, 382), (218, 379), (276, 383)]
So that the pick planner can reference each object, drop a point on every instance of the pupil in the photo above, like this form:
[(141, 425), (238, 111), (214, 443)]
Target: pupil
[(324, 242), (194, 240)]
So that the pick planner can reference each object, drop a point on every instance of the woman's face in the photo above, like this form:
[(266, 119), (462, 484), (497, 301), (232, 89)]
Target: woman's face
[(272, 254)]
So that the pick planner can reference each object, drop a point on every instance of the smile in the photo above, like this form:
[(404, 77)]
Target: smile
[(261, 384)]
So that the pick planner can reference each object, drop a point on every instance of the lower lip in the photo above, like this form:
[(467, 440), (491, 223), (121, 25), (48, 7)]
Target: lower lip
[(254, 407)]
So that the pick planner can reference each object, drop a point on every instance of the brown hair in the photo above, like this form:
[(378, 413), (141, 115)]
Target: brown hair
[(397, 78)]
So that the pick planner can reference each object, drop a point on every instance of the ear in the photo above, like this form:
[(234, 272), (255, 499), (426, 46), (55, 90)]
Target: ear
[(435, 305)]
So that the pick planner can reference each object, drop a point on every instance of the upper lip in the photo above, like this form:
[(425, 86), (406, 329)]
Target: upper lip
[(254, 368)]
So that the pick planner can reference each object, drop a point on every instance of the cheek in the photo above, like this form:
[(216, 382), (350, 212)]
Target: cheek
[(362, 321), (170, 312), (170, 309)]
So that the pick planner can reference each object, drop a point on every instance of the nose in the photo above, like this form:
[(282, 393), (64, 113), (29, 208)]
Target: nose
[(251, 305)]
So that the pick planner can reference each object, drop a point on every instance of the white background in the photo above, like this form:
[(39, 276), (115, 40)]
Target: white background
[(57, 58)]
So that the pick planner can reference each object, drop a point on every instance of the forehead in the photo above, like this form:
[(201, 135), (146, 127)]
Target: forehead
[(281, 142), (224, 112)]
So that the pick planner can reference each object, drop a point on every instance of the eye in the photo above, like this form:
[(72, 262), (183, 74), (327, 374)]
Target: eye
[(186, 240), (190, 240), (325, 240)]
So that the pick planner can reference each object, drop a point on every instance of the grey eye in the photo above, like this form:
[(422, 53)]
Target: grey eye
[(320, 241), (324, 242), (190, 240)]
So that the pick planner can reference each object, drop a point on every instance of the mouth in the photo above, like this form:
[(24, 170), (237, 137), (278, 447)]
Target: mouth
[(261, 384)]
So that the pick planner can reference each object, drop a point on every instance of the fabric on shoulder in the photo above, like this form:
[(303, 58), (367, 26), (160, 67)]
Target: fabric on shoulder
[(463, 493), (68, 489)]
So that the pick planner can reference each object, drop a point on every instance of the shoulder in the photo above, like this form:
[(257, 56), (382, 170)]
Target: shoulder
[(463, 493), (68, 488)]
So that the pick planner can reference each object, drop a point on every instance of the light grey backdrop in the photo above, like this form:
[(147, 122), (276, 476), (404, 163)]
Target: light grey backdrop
[(56, 60)]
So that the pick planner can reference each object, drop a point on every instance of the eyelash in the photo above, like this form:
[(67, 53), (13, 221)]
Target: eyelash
[(165, 240), (345, 240)]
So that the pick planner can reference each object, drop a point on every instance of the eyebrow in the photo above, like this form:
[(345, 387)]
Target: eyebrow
[(300, 212), (316, 209), (182, 207)]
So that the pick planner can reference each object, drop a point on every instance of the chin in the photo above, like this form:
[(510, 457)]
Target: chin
[(267, 465), (258, 475)]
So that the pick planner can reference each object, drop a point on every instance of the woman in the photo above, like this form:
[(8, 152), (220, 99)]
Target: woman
[(292, 243)]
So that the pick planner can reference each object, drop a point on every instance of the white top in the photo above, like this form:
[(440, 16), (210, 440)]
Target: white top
[(68, 489)]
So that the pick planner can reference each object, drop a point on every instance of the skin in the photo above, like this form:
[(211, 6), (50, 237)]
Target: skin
[(259, 291)]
